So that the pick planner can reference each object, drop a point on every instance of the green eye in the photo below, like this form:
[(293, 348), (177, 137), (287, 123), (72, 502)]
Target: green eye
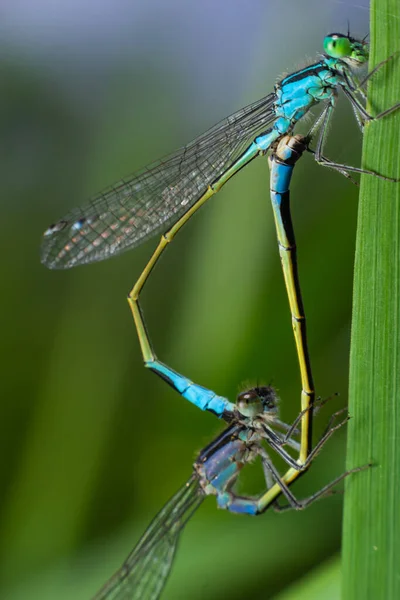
[(337, 46)]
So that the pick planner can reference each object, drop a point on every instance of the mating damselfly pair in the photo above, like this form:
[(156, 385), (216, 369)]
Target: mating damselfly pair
[(165, 195)]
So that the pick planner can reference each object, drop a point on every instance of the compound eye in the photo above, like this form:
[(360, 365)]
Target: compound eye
[(337, 46), (249, 403)]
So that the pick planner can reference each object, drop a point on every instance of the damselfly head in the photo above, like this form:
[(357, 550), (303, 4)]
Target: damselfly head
[(257, 401), (346, 48)]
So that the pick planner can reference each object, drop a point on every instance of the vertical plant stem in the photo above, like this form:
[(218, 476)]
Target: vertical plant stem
[(371, 537)]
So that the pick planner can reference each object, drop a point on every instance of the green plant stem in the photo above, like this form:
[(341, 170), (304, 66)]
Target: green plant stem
[(371, 538)]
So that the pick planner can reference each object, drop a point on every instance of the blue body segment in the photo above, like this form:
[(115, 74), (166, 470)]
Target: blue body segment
[(196, 394), (280, 180), (244, 506)]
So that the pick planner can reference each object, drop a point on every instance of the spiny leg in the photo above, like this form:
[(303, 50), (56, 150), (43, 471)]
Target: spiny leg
[(356, 86), (299, 465), (293, 502), (276, 486), (323, 161), (364, 113), (327, 490), (329, 431), (377, 68), (291, 430)]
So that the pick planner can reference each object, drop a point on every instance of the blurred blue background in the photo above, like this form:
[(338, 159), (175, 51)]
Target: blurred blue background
[(92, 445)]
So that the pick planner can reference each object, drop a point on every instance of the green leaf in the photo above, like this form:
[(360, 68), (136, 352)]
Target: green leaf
[(371, 544)]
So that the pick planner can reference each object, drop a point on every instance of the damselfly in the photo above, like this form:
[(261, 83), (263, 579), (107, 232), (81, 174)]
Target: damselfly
[(252, 425), (171, 190)]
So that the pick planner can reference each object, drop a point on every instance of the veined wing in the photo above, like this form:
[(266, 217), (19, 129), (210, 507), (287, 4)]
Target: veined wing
[(145, 571), (151, 200)]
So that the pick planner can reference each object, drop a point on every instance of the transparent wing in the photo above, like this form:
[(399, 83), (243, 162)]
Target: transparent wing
[(151, 200), (145, 571)]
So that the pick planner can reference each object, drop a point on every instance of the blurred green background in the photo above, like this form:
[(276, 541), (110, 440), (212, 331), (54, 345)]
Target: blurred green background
[(92, 445)]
